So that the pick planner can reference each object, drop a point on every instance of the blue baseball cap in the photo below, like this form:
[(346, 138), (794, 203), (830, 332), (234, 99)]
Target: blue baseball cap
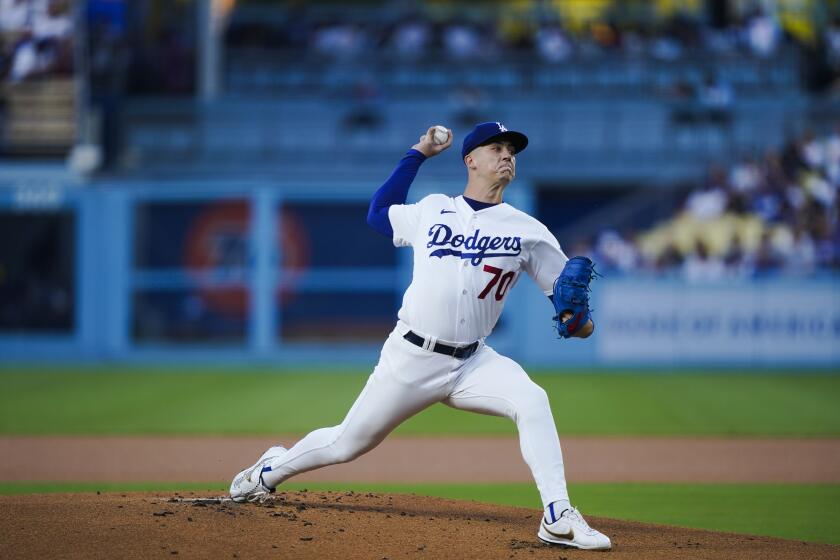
[(485, 132)]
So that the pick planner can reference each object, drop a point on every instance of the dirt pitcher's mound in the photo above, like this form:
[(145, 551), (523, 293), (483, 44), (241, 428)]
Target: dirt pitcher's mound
[(333, 525)]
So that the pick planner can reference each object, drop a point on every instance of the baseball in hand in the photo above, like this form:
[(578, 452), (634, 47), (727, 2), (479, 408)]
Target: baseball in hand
[(441, 135)]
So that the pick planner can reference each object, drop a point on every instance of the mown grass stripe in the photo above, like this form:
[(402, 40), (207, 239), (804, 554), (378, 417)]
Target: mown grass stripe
[(121, 400)]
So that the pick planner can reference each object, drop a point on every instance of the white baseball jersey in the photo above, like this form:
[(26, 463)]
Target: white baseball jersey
[(466, 262)]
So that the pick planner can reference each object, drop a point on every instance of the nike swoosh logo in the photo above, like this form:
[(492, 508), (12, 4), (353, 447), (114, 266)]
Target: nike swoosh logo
[(447, 211), (570, 535)]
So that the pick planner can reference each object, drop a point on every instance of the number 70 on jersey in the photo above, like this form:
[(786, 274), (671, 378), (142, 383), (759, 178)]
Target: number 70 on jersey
[(501, 280)]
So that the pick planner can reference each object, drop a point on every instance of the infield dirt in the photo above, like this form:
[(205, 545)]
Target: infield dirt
[(455, 459), (335, 525), (373, 526)]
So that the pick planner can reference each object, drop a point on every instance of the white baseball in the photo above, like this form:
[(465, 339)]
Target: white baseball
[(441, 135)]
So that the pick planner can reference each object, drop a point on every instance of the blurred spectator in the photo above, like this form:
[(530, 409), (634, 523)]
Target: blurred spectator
[(634, 43), (26, 60), (666, 48), (553, 45), (669, 258), (736, 259), (614, 252), (767, 258), (832, 42), (827, 252), (341, 40), (801, 257), (721, 41), (811, 151), (709, 202), (817, 188), (708, 102), (762, 34), (52, 20), (767, 203), (791, 159), (744, 176), (462, 40), (15, 15), (411, 37), (42, 32), (832, 157), (699, 266)]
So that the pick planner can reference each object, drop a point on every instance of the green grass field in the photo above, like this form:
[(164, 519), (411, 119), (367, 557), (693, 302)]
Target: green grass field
[(231, 401), (248, 401)]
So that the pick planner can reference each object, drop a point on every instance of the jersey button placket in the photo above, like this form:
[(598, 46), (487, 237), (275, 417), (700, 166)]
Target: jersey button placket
[(466, 279), (463, 305)]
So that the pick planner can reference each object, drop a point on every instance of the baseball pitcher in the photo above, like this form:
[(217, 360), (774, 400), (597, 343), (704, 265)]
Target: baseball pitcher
[(469, 252)]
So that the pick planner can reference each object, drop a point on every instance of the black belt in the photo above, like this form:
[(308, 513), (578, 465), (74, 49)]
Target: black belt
[(459, 352)]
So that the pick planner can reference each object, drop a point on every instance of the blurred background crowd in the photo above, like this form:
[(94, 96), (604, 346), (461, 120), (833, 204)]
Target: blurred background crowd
[(37, 39), (774, 214), (536, 29)]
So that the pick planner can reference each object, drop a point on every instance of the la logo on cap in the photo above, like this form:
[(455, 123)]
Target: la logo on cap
[(485, 132)]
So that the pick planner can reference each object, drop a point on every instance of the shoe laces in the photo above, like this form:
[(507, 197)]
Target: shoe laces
[(574, 516), (257, 469)]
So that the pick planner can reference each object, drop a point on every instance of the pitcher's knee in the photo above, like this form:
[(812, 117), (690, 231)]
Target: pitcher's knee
[(346, 449), (534, 402)]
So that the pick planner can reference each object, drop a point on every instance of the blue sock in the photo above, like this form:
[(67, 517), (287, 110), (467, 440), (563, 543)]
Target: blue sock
[(554, 509)]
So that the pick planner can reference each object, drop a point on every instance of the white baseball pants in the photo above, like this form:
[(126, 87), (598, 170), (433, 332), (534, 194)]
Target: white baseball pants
[(407, 380)]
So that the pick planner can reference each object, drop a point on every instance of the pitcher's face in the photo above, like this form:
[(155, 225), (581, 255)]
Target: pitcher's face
[(495, 162)]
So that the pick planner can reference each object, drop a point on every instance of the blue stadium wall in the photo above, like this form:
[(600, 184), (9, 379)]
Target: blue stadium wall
[(288, 273)]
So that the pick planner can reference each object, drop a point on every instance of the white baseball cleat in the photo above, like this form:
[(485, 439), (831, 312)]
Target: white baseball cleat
[(248, 485), (571, 530)]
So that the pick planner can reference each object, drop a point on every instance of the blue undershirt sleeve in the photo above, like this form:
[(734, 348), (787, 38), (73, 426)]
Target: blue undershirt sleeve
[(393, 191)]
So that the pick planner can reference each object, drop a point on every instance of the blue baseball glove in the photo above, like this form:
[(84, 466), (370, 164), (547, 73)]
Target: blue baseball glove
[(571, 295)]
